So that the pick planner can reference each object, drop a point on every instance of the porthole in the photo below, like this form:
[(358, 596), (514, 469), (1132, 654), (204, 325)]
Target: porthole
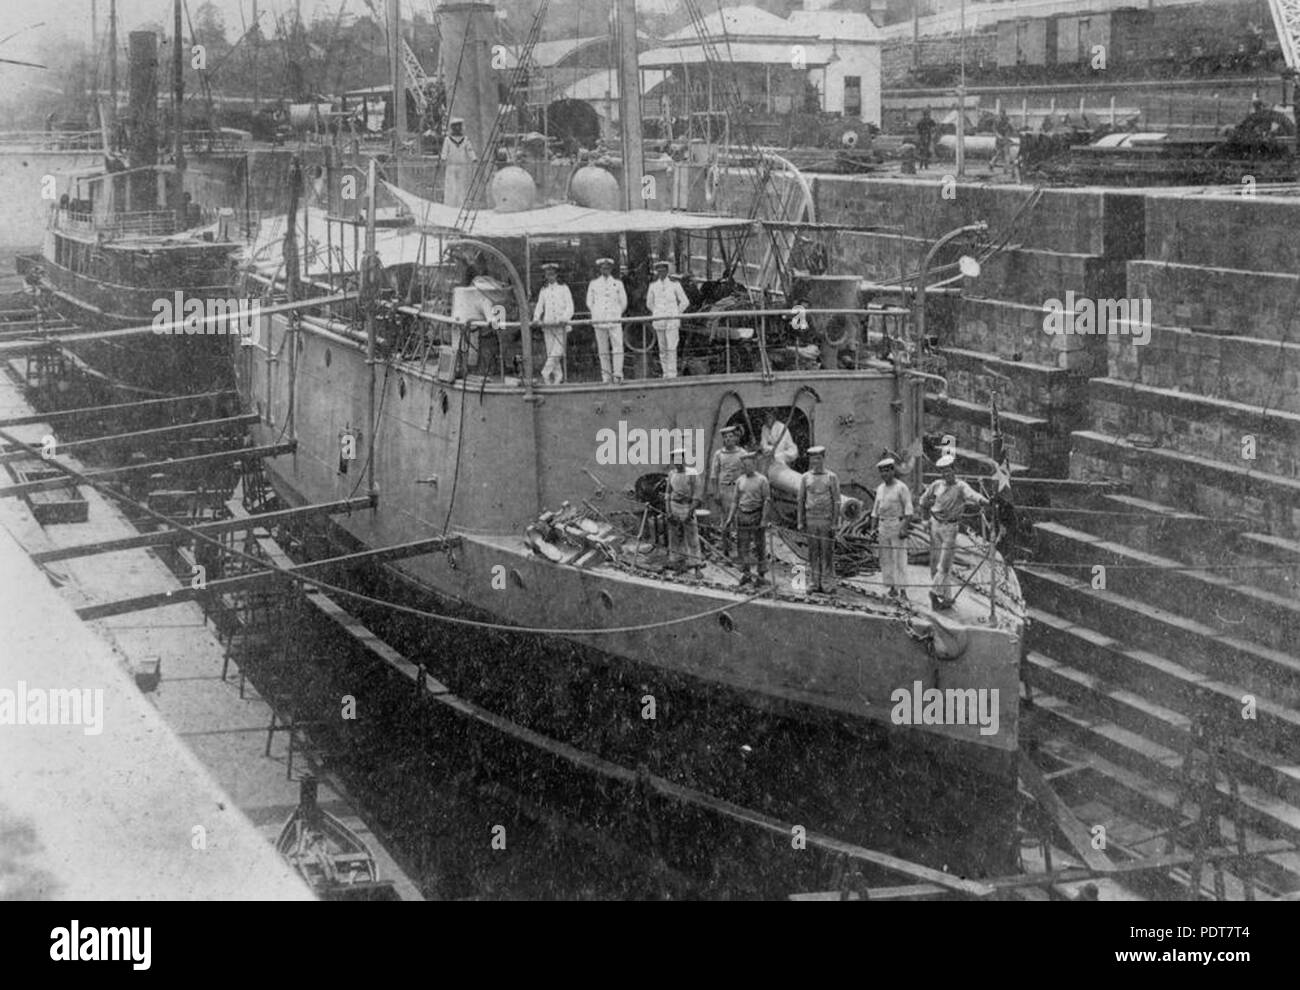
[(401, 388), (726, 622), (517, 578), (607, 598), (328, 357), (444, 403)]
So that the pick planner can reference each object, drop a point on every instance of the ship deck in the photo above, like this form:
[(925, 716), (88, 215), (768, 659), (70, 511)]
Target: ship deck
[(786, 582)]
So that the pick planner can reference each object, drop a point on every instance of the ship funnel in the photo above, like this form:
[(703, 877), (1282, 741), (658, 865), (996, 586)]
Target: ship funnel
[(142, 108), (466, 61)]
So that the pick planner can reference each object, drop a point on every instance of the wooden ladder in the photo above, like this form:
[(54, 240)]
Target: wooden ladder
[(1198, 784)]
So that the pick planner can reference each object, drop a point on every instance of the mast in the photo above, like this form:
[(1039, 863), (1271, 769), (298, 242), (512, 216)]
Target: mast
[(369, 278), (629, 94), (94, 62), (112, 69), (395, 74), (257, 42), (292, 269), (178, 113)]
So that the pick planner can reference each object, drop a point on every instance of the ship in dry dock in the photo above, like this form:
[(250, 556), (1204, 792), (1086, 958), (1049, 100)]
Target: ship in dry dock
[(423, 391), (125, 241)]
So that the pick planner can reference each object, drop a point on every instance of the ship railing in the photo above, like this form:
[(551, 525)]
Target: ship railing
[(743, 347), (152, 222), (75, 223), (209, 140), (51, 140)]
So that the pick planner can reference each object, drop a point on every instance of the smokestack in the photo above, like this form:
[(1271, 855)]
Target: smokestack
[(142, 106), (468, 31)]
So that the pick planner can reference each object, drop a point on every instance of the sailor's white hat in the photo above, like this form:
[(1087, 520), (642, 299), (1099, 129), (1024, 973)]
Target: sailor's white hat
[(886, 462), (816, 450), (947, 460), (456, 120), (605, 261), (678, 452)]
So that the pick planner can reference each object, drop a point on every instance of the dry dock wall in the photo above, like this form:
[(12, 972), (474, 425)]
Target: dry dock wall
[(1206, 417), (992, 339)]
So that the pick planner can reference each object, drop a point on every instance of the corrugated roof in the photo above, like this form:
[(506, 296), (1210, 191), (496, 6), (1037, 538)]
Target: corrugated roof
[(834, 25), (595, 85), (740, 22), (547, 54), (739, 52)]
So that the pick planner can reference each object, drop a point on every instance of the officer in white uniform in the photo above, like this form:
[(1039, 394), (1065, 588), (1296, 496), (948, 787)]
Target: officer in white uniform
[(666, 298), (607, 300), (554, 310)]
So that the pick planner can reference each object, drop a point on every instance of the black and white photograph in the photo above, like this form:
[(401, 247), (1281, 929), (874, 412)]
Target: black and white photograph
[(651, 450)]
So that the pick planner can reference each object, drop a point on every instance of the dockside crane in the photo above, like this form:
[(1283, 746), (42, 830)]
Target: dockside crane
[(1286, 21)]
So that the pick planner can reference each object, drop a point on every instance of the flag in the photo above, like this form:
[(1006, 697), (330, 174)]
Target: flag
[(1004, 515), (1001, 463)]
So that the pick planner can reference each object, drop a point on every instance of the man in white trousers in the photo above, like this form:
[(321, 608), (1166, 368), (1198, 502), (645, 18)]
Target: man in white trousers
[(666, 298), (607, 300), (554, 310)]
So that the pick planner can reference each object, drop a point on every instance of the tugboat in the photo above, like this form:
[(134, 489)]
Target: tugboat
[(425, 391), (125, 248)]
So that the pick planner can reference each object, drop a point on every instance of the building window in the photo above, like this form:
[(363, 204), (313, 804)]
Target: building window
[(853, 96)]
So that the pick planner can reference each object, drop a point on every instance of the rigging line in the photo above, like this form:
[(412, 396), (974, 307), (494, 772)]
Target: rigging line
[(325, 586), (462, 349), (374, 440)]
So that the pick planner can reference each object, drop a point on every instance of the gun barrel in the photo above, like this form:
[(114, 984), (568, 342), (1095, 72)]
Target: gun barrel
[(786, 479)]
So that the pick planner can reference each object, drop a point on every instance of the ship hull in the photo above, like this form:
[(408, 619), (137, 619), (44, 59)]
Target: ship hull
[(477, 462), (162, 363)]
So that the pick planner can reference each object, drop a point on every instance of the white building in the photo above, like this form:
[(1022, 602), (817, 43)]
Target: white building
[(773, 64)]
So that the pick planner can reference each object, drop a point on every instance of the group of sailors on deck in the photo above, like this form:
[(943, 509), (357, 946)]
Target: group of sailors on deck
[(607, 302), (744, 496)]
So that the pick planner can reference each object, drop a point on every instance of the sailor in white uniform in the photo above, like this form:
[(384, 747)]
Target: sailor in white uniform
[(891, 515), (458, 160)]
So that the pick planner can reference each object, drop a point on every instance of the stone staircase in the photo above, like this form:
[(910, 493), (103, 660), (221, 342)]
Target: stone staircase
[(1125, 661), (1174, 607), (1163, 613)]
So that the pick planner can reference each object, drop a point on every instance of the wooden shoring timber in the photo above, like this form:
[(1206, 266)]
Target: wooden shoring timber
[(244, 419), (598, 766), (34, 330), (117, 407), (906, 892), (174, 328), (1076, 874), (84, 477), (1074, 831), (222, 586), (172, 536)]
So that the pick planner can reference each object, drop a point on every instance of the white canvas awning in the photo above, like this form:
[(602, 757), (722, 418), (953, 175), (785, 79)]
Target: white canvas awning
[(565, 220)]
